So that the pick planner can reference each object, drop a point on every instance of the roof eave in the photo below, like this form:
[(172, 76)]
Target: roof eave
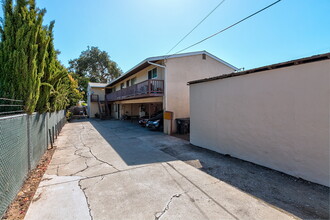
[(158, 58), (315, 58)]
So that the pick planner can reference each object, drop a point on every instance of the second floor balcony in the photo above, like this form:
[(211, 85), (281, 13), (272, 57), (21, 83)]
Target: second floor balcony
[(96, 98), (148, 88)]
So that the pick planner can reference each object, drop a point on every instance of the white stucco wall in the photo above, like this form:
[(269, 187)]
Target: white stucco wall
[(181, 70), (277, 118)]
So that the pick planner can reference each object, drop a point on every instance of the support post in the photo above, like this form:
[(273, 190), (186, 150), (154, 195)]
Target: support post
[(28, 141), (149, 110), (50, 138)]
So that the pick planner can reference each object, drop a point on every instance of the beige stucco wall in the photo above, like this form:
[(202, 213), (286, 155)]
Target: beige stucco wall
[(100, 92), (93, 106), (277, 118), (181, 70), (178, 72)]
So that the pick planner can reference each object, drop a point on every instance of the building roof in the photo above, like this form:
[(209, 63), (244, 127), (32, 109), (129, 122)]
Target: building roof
[(143, 64), (304, 60), (100, 85)]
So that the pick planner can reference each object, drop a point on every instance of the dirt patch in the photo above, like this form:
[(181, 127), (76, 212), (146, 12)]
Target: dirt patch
[(20, 205)]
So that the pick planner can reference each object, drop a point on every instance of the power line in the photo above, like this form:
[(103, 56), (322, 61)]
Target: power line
[(227, 27), (196, 26)]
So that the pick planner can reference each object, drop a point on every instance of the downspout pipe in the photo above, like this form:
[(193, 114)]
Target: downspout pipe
[(165, 95), (165, 90)]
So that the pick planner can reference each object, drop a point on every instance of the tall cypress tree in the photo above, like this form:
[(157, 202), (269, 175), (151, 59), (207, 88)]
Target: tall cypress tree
[(7, 30), (22, 52), (29, 68), (50, 70)]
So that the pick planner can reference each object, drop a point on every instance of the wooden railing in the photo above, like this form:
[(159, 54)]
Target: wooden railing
[(151, 87)]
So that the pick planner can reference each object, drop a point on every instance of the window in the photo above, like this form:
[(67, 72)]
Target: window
[(127, 83), (122, 85), (152, 73), (204, 56), (133, 81)]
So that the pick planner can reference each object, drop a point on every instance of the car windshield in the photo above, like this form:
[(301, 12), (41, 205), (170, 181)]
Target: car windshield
[(157, 117)]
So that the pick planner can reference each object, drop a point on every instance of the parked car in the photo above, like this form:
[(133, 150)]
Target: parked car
[(156, 123), (143, 121)]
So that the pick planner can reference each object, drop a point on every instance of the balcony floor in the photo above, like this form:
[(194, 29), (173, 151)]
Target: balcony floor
[(138, 97)]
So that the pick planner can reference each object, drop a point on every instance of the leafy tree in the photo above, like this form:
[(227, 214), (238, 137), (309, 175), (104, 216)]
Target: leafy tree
[(74, 95), (64, 90), (94, 65)]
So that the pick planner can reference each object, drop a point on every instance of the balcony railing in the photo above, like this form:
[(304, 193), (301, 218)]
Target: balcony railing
[(96, 98), (152, 87)]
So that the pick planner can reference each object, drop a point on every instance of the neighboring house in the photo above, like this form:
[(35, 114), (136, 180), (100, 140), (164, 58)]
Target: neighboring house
[(160, 83), (95, 98), (276, 116)]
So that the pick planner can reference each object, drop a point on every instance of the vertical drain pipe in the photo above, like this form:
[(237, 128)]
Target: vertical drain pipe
[(165, 90)]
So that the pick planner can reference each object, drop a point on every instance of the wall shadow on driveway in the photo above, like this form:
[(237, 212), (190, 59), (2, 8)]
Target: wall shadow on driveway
[(125, 138), (137, 146), (299, 197)]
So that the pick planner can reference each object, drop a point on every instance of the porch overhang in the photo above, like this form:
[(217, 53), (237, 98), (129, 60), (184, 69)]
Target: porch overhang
[(158, 99)]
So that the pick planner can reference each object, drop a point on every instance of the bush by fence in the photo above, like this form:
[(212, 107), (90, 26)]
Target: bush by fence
[(23, 140)]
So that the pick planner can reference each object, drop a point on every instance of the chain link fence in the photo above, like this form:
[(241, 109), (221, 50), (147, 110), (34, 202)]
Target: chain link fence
[(23, 140)]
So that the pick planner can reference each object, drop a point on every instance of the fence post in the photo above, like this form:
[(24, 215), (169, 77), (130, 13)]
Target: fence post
[(46, 128), (28, 141), (50, 138), (53, 133)]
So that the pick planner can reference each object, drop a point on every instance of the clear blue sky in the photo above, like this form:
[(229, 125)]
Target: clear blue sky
[(132, 30)]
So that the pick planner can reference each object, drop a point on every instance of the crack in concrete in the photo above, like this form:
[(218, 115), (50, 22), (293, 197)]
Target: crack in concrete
[(158, 215), (102, 161), (46, 179), (186, 192), (82, 170), (79, 154), (200, 189), (86, 197), (90, 150), (37, 198), (100, 175)]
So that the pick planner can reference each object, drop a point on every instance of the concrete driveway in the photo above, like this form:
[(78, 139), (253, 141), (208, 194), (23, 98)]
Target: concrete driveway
[(115, 170)]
